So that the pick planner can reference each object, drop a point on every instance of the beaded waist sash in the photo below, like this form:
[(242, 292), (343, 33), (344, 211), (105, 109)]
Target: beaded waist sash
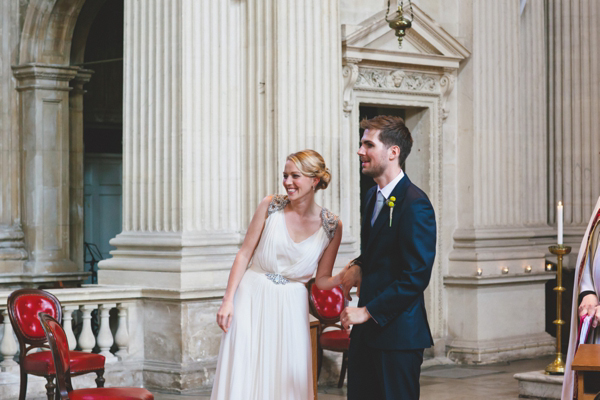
[(277, 279)]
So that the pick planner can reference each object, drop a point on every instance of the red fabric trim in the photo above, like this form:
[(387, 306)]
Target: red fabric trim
[(129, 393)]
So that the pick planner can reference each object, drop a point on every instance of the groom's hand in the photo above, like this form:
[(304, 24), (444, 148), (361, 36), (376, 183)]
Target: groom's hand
[(354, 316), (352, 277)]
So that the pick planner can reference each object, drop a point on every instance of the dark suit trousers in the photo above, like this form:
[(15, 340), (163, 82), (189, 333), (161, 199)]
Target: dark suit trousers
[(375, 374)]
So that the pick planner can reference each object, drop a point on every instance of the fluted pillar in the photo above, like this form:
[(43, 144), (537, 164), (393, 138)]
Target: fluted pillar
[(293, 92), (181, 185), (216, 94), (574, 113), (12, 244), (211, 129), (502, 185), (151, 149), (211, 111), (308, 90), (292, 99)]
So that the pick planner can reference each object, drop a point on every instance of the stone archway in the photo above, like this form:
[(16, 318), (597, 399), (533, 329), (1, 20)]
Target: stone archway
[(51, 99)]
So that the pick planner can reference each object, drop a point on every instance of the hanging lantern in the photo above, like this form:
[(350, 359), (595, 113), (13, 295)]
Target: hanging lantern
[(400, 24)]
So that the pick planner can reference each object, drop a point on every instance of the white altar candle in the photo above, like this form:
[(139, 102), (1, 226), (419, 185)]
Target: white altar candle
[(559, 218)]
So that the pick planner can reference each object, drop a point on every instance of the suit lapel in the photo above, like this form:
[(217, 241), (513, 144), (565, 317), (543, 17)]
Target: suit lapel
[(383, 219), (367, 213)]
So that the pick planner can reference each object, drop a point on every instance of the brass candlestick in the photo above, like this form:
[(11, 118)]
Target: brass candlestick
[(557, 367)]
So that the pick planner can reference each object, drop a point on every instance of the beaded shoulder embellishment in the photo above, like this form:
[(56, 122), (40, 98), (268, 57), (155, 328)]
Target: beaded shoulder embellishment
[(278, 202), (330, 222)]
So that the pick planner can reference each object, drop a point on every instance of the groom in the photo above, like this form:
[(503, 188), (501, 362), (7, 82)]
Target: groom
[(390, 329)]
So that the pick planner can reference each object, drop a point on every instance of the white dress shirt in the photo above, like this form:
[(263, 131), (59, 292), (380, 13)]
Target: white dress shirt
[(386, 191)]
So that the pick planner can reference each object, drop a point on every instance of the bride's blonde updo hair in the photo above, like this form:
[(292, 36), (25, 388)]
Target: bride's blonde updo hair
[(311, 164)]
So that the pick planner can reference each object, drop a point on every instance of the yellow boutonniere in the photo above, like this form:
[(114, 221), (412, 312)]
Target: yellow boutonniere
[(391, 205)]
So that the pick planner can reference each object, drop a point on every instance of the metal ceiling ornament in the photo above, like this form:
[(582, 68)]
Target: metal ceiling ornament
[(400, 24)]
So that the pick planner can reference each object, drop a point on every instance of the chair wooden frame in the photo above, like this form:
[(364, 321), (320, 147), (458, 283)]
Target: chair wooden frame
[(28, 343), (325, 323), (63, 375), (59, 347)]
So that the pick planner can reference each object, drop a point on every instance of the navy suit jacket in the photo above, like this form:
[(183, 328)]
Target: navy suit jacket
[(396, 265)]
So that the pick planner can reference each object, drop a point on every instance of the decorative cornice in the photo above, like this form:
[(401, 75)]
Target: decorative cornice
[(351, 60), (497, 280), (44, 77), (396, 80), (45, 72)]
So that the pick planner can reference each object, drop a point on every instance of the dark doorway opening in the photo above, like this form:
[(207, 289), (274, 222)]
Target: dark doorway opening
[(103, 133), (103, 111)]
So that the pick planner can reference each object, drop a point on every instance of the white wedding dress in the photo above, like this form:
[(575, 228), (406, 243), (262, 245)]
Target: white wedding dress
[(266, 355)]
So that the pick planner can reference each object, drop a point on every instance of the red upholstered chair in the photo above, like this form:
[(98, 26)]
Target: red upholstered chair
[(23, 308), (59, 346), (326, 306)]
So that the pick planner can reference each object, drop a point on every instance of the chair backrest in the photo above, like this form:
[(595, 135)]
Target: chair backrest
[(326, 305), (23, 308), (59, 346)]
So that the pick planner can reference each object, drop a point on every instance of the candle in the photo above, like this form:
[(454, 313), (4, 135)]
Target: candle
[(559, 219)]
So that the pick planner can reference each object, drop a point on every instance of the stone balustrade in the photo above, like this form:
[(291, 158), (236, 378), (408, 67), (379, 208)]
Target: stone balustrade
[(87, 322)]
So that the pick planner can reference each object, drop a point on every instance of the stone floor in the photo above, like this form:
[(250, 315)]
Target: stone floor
[(450, 382)]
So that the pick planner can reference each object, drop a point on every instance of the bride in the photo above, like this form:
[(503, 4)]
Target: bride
[(265, 349)]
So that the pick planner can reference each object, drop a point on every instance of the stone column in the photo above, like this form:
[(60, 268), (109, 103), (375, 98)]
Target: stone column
[(501, 185), (307, 84), (210, 112), (44, 102), (292, 98), (181, 145), (350, 210), (76, 166), (574, 114), (12, 245)]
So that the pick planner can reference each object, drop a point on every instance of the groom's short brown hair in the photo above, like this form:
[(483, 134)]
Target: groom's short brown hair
[(392, 132)]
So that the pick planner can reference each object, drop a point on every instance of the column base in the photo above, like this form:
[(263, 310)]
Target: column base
[(497, 318), (170, 260), (212, 283), (538, 385), (188, 379), (181, 341), (499, 350)]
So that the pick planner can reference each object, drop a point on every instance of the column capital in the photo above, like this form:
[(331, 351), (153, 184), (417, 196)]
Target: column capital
[(46, 77), (12, 243), (82, 77)]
